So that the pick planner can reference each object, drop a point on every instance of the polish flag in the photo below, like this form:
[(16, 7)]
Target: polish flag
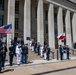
[(61, 36)]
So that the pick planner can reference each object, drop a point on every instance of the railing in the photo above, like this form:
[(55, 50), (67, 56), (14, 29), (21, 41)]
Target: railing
[(73, 51)]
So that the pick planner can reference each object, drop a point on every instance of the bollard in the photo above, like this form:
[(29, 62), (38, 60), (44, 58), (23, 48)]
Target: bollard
[(57, 55)]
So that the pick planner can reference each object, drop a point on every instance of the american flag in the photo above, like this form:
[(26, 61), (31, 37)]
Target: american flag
[(6, 29)]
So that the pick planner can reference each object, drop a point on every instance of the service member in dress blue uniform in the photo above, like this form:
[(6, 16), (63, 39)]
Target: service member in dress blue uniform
[(11, 54), (1, 54), (4, 50), (24, 54), (35, 46), (67, 50), (61, 52), (22, 42), (48, 53), (38, 48)]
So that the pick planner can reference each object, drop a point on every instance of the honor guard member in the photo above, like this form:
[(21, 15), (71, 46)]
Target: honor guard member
[(61, 52), (22, 42), (11, 54), (4, 50), (24, 54), (45, 48), (1, 54), (67, 50), (41, 51), (18, 53), (35, 46), (48, 53), (38, 48)]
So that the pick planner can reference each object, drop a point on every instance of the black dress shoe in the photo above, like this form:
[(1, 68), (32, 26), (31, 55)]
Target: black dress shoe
[(18, 64)]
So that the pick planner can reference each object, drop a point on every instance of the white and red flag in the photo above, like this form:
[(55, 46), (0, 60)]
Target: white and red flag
[(61, 36)]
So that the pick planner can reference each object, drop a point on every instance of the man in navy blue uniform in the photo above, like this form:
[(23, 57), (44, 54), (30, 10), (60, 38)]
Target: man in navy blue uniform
[(67, 50), (11, 54), (1, 53), (4, 50), (38, 48), (61, 53), (24, 54), (35, 46), (48, 53)]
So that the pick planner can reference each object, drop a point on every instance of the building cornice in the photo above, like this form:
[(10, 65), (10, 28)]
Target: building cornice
[(72, 1), (64, 4)]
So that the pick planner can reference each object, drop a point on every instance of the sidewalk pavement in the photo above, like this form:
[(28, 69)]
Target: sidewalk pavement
[(43, 67), (37, 62), (39, 66)]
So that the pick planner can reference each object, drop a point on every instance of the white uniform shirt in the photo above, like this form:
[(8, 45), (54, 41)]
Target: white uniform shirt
[(41, 48), (18, 50)]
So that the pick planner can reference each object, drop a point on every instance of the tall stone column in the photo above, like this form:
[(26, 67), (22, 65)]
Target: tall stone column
[(51, 26), (40, 23), (60, 23), (68, 28), (11, 18), (74, 27), (27, 20)]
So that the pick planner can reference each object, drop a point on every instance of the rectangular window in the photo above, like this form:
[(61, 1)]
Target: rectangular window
[(36, 12), (46, 15), (46, 28), (1, 4), (17, 7), (16, 23), (55, 18), (1, 20)]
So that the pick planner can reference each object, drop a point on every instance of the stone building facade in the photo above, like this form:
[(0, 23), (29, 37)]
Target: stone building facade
[(45, 19)]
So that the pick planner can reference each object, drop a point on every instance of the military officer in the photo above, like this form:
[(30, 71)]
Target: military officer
[(11, 54), (4, 50), (1, 53), (24, 54), (18, 53)]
